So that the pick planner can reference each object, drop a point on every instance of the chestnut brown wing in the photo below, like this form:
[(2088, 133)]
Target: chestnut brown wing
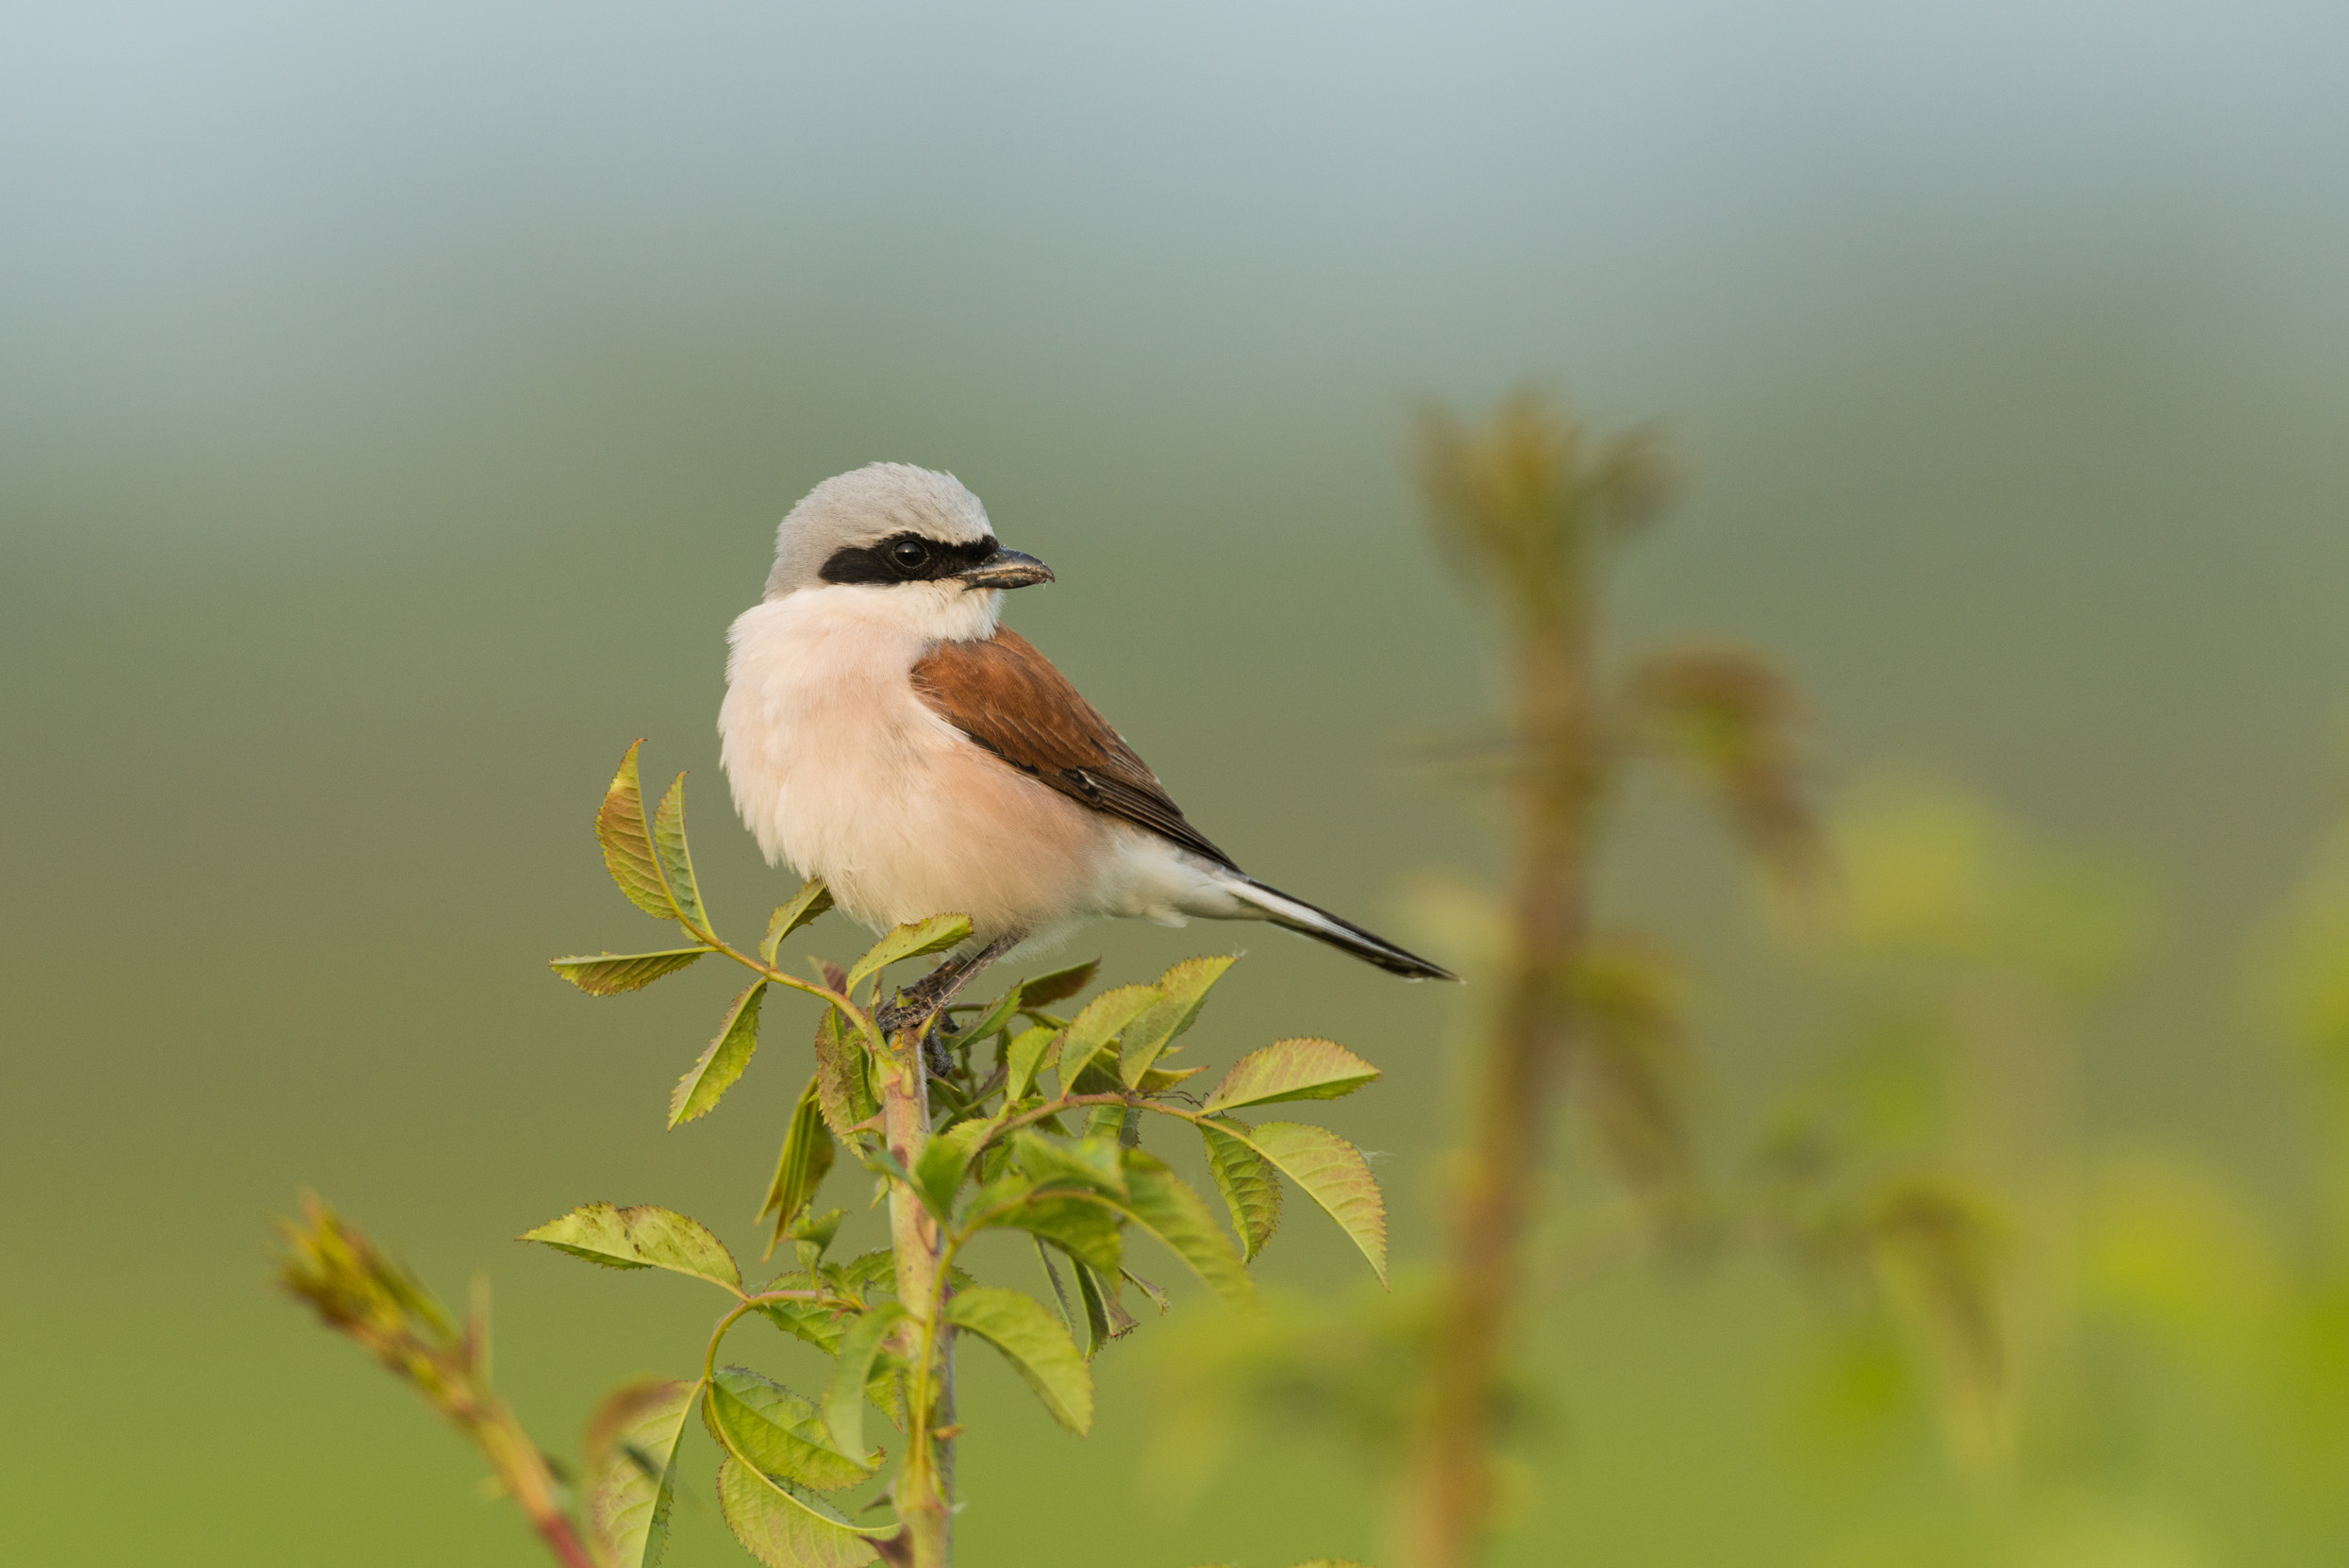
[(1008, 698)]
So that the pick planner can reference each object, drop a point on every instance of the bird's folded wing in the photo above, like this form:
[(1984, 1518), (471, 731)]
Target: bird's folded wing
[(1008, 698)]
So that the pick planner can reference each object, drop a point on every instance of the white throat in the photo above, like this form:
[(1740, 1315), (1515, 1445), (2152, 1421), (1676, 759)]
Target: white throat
[(921, 613), (821, 725)]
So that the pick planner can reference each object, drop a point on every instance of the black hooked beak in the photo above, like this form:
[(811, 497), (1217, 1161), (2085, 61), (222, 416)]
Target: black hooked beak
[(1007, 569)]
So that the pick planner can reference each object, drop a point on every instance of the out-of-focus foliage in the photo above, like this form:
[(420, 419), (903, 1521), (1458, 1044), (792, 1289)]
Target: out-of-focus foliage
[(1975, 1259), (1532, 500), (1534, 503), (1929, 876), (2305, 977), (1923, 1184), (1343, 1367), (377, 1303), (1733, 717)]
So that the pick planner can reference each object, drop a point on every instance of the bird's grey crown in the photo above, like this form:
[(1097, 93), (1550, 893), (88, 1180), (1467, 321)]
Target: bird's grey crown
[(864, 506)]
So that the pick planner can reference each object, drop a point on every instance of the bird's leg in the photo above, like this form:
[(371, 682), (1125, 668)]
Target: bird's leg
[(938, 1051), (940, 986)]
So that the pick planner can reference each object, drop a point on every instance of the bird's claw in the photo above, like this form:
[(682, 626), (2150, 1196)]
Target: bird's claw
[(937, 1056), (915, 1002)]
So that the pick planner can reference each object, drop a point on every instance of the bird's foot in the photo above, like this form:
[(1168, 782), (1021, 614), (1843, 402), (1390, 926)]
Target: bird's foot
[(921, 999), (940, 986), (937, 1047)]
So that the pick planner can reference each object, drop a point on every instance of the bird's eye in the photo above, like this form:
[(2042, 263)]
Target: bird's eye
[(909, 555)]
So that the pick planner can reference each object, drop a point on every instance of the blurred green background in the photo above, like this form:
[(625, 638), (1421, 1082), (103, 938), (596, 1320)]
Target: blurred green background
[(396, 404)]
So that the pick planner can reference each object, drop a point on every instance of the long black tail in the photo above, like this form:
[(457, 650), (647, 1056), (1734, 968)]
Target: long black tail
[(1321, 925)]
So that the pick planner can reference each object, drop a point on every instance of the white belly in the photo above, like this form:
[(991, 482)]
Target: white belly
[(839, 770)]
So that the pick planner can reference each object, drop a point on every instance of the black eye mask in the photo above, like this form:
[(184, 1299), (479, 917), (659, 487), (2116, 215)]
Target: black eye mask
[(907, 558)]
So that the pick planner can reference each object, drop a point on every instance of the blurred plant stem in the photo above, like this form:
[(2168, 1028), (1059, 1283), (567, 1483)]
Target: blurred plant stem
[(1553, 784), (1533, 506), (1529, 507), (360, 1292)]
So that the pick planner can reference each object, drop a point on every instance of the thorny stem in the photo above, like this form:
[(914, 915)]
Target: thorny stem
[(925, 1482), (925, 1490), (925, 1487)]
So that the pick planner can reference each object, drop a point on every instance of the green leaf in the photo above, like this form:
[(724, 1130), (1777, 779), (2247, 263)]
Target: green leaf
[(1249, 1187), (610, 974), (786, 1528), (1333, 1174), (1304, 1069), (629, 1470), (912, 941), (999, 1014), (1057, 985), (1157, 1297), (800, 1169), (1165, 1205), (1182, 990), (1086, 1229), (819, 1325), (811, 900), (1106, 1317), (1093, 1029), (1080, 1223), (844, 1087), (1119, 1123), (677, 861), (882, 1162), (642, 1238), (1007, 1189), (1158, 1080), (1094, 1308), (1093, 1162), (938, 1173), (1023, 1057), (697, 1093), (1037, 1347), (816, 1231), (868, 1269), (1052, 1277), (991, 1161), (844, 1401), (627, 842), (769, 1428)]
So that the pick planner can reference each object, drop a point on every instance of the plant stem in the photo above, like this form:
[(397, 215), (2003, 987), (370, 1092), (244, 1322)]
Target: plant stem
[(523, 1471), (925, 1482), (785, 978), (1552, 699), (358, 1292)]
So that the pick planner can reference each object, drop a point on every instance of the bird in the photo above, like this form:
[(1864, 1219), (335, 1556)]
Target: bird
[(884, 731)]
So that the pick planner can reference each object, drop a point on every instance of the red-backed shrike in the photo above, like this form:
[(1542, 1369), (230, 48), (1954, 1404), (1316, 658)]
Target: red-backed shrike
[(883, 732)]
